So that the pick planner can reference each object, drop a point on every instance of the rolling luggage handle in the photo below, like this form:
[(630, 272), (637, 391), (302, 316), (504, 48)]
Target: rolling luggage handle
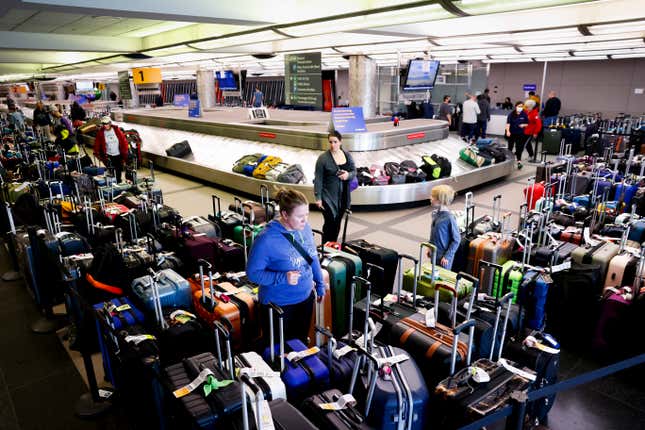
[(220, 330), (469, 210), (259, 400), (368, 286), (203, 263), (497, 209), (347, 215), (273, 307), (217, 207), (416, 277), (154, 288)]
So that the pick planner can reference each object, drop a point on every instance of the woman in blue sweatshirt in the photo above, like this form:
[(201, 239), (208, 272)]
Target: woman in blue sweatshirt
[(284, 262), (444, 234)]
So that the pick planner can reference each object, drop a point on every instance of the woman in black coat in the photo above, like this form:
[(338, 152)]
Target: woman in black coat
[(334, 171)]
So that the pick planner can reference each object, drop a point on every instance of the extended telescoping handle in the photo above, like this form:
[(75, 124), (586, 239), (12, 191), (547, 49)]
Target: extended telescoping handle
[(497, 208), (238, 205), (347, 215), (273, 307), (320, 233), (469, 210), (506, 300), (12, 225), (416, 277), (220, 330), (259, 397), (475, 289), (331, 347), (251, 212), (364, 354), (453, 303), (204, 264), (624, 237), (358, 280), (497, 274), (264, 194), (217, 206), (470, 324)]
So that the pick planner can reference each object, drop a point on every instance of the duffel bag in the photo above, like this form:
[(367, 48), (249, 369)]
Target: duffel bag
[(446, 166), (179, 150), (265, 166), (293, 175), (471, 156), (276, 171), (430, 167), (249, 159), (393, 170)]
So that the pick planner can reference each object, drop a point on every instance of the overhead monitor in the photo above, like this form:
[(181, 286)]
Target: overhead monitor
[(84, 86), (227, 80), (421, 75)]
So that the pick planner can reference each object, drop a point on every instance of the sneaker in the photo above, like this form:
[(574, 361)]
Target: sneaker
[(519, 165)]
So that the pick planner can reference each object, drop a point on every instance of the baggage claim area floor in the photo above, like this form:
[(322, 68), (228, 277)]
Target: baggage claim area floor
[(41, 379)]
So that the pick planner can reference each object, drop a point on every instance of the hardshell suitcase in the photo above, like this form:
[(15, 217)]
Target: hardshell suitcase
[(174, 290), (551, 140), (347, 417), (272, 386), (511, 279), (600, 254), (202, 225), (386, 258), (621, 271)]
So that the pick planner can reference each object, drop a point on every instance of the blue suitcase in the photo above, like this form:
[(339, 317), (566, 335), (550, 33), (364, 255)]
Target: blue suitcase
[(532, 296), (637, 232), (303, 377), (72, 243), (94, 170), (174, 290), (111, 317), (583, 200), (626, 193)]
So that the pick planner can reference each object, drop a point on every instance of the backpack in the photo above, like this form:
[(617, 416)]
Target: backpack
[(394, 171), (247, 163), (493, 152), (446, 166), (412, 172), (276, 171), (363, 176), (431, 168), (265, 166), (293, 175)]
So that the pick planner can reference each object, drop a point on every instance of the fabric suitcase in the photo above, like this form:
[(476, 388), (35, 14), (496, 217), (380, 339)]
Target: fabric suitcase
[(446, 166), (386, 258), (292, 175), (430, 167), (274, 173), (174, 290), (552, 140), (474, 157), (600, 254), (346, 418), (610, 337), (179, 149), (72, 243), (532, 296), (229, 256), (342, 267), (625, 193), (198, 246)]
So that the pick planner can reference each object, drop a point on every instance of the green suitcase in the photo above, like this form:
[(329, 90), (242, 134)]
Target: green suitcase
[(551, 140), (246, 234), (342, 267), (511, 279), (426, 283), (13, 190)]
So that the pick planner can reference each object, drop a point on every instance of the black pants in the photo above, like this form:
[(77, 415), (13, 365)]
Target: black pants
[(116, 162), (519, 141), (297, 318), (331, 226)]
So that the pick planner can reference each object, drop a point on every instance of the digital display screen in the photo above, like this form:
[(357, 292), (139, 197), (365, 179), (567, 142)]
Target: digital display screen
[(226, 80), (421, 74), (84, 86)]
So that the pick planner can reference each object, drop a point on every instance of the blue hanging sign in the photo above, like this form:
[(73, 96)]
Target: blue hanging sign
[(348, 120), (194, 108), (529, 87)]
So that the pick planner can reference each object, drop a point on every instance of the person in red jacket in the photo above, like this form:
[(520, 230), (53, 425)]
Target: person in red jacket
[(534, 127), (111, 147)]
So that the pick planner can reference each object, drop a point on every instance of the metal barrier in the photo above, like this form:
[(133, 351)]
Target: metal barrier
[(517, 409)]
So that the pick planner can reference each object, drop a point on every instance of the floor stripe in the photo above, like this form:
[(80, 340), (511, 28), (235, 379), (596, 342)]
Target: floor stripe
[(196, 187)]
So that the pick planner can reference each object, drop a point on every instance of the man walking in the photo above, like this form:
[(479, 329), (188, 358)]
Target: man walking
[(445, 110)]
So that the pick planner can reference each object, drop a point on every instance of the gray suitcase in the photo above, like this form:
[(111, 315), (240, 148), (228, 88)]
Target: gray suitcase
[(600, 254)]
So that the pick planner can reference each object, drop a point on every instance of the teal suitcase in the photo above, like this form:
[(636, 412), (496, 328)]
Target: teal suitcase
[(342, 267)]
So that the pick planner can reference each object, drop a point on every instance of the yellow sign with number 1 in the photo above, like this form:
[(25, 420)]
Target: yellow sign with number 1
[(146, 75)]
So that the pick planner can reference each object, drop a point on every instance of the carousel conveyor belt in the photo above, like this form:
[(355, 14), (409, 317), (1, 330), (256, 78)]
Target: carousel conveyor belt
[(213, 158)]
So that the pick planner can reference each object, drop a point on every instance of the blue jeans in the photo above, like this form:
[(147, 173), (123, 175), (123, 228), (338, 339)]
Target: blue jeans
[(468, 130), (549, 120)]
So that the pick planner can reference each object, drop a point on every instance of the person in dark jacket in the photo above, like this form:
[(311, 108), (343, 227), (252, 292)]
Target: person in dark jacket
[(516, 122), (77, 113), (551, 109), (334, 170), (284, 263), (42, 121), (111, 146), (483, 116)]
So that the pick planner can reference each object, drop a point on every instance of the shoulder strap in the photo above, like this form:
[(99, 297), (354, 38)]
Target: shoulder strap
[(299, 248)]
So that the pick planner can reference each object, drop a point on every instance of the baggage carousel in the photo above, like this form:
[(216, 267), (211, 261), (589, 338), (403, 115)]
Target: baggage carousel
[(213, 157), (301, 129)]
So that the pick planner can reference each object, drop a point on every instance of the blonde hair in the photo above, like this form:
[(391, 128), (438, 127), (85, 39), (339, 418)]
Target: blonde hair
[(444, 194), (288, 199), (530, 103)]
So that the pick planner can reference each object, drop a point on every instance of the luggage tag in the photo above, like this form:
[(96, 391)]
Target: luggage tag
[(533, 342), (294, 356), (345, 401), (341, 352), (256, 373), (137, 339), (430, 319), (519, 372), (206, 377), (555, 269), (182, 316)]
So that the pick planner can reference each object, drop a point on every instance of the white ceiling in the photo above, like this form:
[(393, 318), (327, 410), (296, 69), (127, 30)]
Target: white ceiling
[(68, 36)]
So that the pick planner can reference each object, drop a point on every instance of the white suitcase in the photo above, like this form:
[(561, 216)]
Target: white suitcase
[(272, 387)]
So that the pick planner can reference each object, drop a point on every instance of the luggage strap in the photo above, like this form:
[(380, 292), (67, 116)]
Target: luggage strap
[(102, 286), (446, 338)]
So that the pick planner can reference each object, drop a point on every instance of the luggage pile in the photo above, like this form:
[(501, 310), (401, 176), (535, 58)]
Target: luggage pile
[(405, 172), (484, 153), (270, 168), (398, 342)]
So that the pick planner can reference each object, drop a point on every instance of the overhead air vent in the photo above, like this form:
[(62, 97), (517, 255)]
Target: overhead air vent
[(264, 56), (137, 56), (44, 78)]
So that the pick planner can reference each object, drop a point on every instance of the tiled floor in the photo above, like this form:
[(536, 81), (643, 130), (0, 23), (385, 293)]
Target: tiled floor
[(39, 383)]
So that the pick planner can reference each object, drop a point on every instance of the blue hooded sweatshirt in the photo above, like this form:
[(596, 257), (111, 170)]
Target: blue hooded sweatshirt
[(273, 255)]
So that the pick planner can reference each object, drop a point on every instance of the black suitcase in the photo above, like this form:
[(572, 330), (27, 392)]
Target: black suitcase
[(179, 150), (347, 418), (227, 220), (545, 169)]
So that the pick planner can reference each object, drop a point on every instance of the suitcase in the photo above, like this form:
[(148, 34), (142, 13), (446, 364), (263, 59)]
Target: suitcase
[(621, 271), (532, 193), (552, 140), (276, 171), (202, 225), (227, 220), (532, 296), (174, 290), (229, 256), (610, 337), (347, 417), (546, 169), (431, 275), (180, 150), (386, 258), (342, 267), (600, 254), (239, 293), (462, 399), (301, 377), (492, 248), (511, 278), (272, 386)]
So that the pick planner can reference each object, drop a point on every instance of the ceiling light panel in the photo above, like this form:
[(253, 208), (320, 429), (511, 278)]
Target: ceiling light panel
[(625, 56), (162, 52), (241, 39), (431, 12), (479, 7), (625, 27)]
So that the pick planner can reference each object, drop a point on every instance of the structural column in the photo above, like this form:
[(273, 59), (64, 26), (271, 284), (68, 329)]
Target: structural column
[(206, 88), (363, 84)]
